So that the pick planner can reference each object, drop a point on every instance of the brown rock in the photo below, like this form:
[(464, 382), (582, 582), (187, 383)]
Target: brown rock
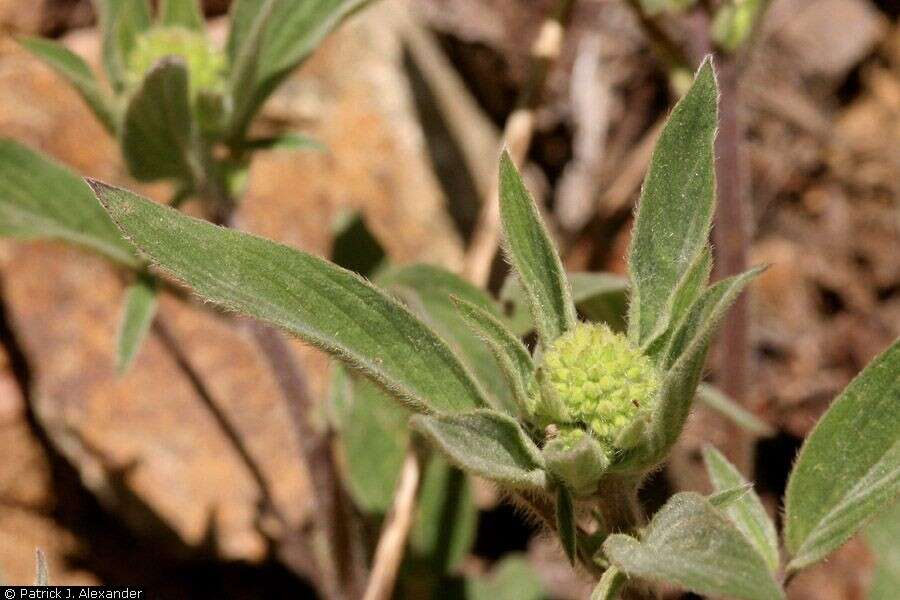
[(146, 440)]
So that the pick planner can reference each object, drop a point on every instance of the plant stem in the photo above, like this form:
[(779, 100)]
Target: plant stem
[(392, 541), (731, 241)]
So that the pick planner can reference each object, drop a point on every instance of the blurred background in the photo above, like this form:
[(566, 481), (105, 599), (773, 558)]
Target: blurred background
[(130, 480)]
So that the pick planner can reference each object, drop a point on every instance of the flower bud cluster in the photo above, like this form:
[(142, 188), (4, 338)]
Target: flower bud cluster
[(595, 380)]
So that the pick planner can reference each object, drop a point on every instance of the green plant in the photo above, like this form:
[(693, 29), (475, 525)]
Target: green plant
[(559, 438)]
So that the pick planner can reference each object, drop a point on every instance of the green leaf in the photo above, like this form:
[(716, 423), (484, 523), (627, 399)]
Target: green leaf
[(725, 498), (286, 142), (287, 37), (882, 535), (427, 291), (73, 68), (715, 399), (849, 466), (566, 527), (534, 257), (39, 198), (610, 585), (508, 350), (601, 297), (580, 465), (42, 574), (446, 518), (373, 436), (656, 7), (687, 355), (747, 513), (675, 209), (692, 284), (158, 129), (691, 544), (317, 301), (120, 23), (140, 308), (488, 444), (184, 13), (512, 579)]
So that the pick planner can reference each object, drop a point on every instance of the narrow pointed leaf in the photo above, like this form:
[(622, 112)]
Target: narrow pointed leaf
[(610, 585), (290, 35), (747, 513), (427, 292), (184, 13), (73, 68), (158, 129), (689, 348), (40, 198), (317, 301), (566, 527), (286, 142), (120, 23), (692, 284), (534, 257), (140, 308), (691, 544), (849, 467), (676, 207), (715, 399), (725, 498), (508, 350), (486, 443)]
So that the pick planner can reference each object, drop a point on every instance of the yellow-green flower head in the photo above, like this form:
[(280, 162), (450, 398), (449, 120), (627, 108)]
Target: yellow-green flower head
[(594, 379), (206, 65)]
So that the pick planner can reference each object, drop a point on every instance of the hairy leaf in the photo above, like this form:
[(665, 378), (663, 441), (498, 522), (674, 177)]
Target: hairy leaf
[(566, 526), (140, 308), (73, 68), (184, 13), (288, 36), (729, 496), (532, 253), (692, 284), (427, 291), (747, 513), (675, 209), (691, 544), (715, 399), (317, 301), (508, 350), (39, 198), (120, 23), (689, 347), (849, 466), (579, 466), (486, 443), (882, 535)]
